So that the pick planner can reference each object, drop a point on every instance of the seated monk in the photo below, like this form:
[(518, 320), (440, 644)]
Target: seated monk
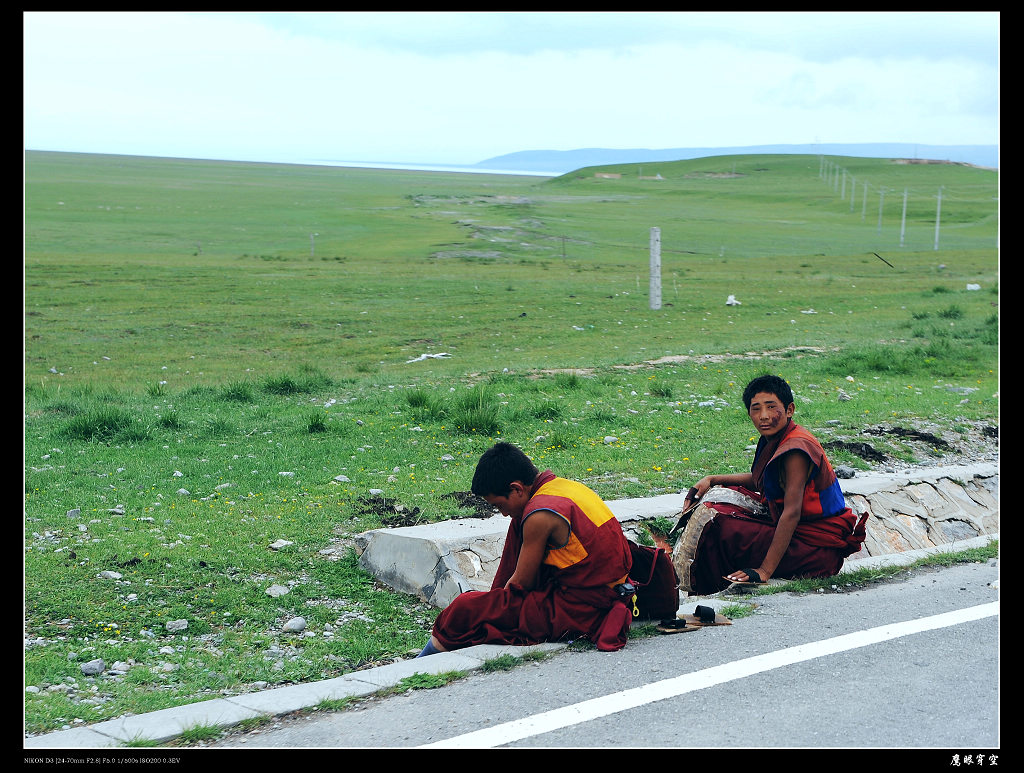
[(563, 557), (807, 530)]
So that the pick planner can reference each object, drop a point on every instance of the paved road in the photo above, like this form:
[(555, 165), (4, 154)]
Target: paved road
[(911, 663)]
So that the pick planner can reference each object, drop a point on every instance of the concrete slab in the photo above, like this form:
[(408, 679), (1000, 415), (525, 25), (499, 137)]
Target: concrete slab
[(294, 697), (73, 738), (485, 652), (645, 508), (393, 673), (170, 723), (435, 561), (866, 484)]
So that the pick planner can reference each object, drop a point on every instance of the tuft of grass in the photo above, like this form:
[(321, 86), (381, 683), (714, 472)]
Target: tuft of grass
[(336, 704), (140, 743), (199, 733), (952, 312), (737, 611), (170, 420), (661, 390), (500, 663), (421, 681), (238, 391), (425, 406), (547, 410), (315, 423), (568, 381), (307, 381), (476, 413), (106, 425), (283, 385)]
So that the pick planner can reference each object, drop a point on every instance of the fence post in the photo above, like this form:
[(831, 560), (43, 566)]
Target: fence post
[(903, 222), (655, 302)]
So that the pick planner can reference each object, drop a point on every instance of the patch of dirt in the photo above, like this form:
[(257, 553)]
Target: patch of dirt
[(863, 450), (974, 442), (716, 358), (910, 434), (470, 501), (391, 513), (394, 514)]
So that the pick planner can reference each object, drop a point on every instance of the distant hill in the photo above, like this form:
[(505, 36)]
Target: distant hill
[(562, 161)]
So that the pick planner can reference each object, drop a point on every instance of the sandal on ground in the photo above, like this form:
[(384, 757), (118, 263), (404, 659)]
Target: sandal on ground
[(750, 573), (676, 626), (705, 616)]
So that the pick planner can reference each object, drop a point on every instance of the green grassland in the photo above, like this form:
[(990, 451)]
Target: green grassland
[(252, 335)]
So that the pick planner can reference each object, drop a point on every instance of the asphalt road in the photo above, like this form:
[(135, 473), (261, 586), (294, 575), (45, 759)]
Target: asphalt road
[(912, 663)]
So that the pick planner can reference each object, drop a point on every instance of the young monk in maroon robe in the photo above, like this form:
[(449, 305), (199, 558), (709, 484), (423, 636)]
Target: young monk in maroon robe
[(563, 557), (808, 531)]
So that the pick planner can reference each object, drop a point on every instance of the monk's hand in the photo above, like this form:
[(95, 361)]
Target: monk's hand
[(697, 491), (741, 576), (691, 496)]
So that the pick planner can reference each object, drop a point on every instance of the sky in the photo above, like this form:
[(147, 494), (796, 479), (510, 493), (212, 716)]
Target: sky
[(446, 87)]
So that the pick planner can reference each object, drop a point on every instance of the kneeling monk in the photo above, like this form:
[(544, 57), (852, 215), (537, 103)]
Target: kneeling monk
[(563, 557)]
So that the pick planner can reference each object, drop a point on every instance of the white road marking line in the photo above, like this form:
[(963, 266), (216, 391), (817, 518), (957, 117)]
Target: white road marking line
[(595, 708)]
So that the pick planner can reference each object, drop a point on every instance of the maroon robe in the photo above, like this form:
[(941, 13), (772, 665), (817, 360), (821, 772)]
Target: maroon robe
[(573, 597), (828, 531)]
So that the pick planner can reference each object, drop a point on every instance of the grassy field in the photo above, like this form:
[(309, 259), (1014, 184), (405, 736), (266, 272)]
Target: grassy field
[(222, 355)]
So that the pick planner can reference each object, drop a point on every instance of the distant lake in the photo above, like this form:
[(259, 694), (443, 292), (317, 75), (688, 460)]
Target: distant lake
[(426, 167)]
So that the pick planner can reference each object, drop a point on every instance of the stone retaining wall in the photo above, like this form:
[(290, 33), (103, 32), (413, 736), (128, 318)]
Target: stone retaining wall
[(915, 509), (925, 508)]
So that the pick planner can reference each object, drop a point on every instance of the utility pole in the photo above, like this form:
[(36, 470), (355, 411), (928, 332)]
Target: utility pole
[(655, 302), (881, 199), (938, 211), (903, 223)]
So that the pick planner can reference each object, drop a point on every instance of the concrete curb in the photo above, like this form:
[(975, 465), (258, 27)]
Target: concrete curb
[(167, 724)]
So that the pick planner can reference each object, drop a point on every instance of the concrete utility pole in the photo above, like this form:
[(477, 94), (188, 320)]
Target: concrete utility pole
[(903, 223), (864, 206), (655, 268), (938, 211), (881, 199)]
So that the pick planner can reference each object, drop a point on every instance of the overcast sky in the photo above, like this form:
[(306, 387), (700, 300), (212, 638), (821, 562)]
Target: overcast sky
[(462, 87)]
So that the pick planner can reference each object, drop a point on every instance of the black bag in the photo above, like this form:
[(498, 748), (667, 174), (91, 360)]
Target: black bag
[(657, 587)]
